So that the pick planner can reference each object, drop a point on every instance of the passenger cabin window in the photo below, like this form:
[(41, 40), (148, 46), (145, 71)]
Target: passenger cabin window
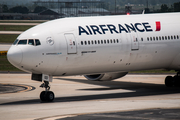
[(15, 42), (165, 37), (162, 37), (31, 42), (151, 38), (159, 38), (156, 38), (172, 37), (169, 38), (37, 42), (95, 42), (22, 42), (101, 41), (114, 41)]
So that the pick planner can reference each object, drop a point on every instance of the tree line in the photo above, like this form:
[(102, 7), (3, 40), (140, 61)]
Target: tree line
[(22, 9), (164, 8), (150, 2)]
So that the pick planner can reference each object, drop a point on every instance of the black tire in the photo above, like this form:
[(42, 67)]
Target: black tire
[(176, 81), (43, 96), (169, 81), (50, 96)]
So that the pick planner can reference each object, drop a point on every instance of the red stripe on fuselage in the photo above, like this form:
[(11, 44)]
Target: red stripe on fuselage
[(158, 26)]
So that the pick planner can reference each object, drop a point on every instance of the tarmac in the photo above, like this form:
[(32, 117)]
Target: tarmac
[(11, 32), (4, 47), (129, 98)]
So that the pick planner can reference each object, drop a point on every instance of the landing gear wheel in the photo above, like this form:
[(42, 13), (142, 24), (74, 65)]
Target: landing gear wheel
[(173, 81), (50, 96), (169, 81), (43, 96), (176, 81), (47, 96)]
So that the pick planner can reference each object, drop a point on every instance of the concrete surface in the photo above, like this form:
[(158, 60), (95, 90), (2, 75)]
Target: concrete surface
[(77, 96), (11, 32), (152, 114), (14, 88), (4, 47)]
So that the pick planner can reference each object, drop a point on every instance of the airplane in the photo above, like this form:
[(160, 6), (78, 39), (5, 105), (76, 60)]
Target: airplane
[(100, 48)]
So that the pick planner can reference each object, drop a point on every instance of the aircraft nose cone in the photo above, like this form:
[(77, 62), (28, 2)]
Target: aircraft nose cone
[(14, 55)]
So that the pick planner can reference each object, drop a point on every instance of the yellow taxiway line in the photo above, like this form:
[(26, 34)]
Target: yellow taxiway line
[(3, 53)]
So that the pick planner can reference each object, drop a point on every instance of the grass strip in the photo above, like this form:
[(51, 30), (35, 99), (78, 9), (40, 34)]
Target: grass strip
[(14, 27), (5, 66), (8, 38), (22, 21)]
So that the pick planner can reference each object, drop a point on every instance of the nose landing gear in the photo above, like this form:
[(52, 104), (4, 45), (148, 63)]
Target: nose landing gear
[(173, 81), (46, 96)]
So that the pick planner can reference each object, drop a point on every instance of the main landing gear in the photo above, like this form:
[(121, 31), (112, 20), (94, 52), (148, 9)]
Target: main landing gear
[(173, 81), (46, 96)]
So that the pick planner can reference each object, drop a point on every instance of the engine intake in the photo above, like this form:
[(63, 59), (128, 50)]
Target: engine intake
[(105, 77)]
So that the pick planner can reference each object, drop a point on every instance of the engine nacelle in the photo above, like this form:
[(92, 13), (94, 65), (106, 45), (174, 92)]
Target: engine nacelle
[(106, 76)]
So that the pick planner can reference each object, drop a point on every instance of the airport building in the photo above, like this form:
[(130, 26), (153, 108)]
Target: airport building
[(61, 9), (73, 8), (66, 8)]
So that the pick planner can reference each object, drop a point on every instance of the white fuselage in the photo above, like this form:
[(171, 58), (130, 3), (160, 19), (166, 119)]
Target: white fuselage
[(91, 45)]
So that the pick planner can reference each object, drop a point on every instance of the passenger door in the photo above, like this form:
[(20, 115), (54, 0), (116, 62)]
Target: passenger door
[(71, 43), (134, 41)]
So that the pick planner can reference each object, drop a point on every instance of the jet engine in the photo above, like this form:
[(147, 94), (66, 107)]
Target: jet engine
[(106, 76)]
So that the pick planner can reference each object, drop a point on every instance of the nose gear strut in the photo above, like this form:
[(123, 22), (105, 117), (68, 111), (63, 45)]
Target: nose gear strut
[(46, 96)]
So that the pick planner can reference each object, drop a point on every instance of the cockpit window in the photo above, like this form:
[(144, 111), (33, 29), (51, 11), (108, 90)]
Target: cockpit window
[(31, 42), (22, 42), (15, 42), (37, 42)]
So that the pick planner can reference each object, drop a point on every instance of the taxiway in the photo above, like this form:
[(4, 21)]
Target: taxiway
[(76, 96)]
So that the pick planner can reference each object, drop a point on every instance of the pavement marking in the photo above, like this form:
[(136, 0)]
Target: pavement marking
[(2, 53), (58, 117), (26, 87), (5, 47)]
